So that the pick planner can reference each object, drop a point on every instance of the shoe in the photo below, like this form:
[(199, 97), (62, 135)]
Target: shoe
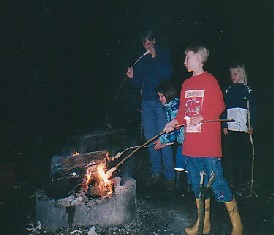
[(170, 185), (155, 179)]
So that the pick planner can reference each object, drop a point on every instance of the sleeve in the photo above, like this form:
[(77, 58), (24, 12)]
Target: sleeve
[(171, 113), (137, 80), (167, 138), (213, 105), (181, 135), (224, 114), (181, 113)]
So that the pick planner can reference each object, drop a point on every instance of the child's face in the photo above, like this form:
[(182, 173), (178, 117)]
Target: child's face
[(191, 61), (162, 98), (235, 76)]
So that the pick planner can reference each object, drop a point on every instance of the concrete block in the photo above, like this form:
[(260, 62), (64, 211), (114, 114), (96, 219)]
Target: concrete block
[(106, 212)]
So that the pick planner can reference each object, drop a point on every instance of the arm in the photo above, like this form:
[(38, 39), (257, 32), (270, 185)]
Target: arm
[(171, 109), (165, 139), (180, 118), (135, 77), (213, 103)]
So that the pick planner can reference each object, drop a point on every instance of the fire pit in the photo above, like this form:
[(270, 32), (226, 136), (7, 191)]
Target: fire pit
[(81, 194)]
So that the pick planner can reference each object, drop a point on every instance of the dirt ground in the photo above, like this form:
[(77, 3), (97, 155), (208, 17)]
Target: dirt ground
[(159, 212)]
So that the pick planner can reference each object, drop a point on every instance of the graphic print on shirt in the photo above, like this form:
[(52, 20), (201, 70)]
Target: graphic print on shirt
[(193, 107)]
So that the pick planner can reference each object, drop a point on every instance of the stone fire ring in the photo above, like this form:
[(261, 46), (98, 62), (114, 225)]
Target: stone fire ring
[(105, 212)]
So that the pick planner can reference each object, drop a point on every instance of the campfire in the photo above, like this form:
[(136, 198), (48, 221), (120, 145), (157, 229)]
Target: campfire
[(96, 183), (85, 174), (83, 191)]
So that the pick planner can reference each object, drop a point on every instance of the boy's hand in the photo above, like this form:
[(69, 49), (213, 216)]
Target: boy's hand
[(250, 130), (196, 120), (225, 131), (158, 145), (171, 126)]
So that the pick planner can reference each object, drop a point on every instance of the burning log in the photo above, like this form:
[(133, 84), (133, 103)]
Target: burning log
[(65, 165), (89, 169)]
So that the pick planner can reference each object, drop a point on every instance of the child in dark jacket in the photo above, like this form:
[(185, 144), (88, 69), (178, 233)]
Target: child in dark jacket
[(168, 97), (240, 106)]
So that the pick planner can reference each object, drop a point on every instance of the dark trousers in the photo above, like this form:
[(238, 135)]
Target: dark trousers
[(154, 120), (237, 159)]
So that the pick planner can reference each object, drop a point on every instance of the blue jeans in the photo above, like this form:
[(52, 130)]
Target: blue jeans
[(181, 160), (220, 187), (154, 120)]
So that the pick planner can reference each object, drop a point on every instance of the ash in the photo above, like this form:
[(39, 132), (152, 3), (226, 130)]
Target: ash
[(167, 213), (149, 221), (158, 213), (72, 200)]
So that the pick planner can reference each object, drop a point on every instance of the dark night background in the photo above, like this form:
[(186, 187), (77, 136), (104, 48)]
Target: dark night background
[(63, 63)]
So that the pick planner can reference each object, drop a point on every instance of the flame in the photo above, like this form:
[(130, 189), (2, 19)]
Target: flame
[(98, 177), (106, 184), (102, 173)]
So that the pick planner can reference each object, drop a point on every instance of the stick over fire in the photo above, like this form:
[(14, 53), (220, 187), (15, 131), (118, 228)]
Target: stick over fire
[(110, 171)]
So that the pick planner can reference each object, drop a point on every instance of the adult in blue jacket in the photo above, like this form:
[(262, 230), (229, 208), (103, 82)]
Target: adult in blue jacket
[(146, 75)]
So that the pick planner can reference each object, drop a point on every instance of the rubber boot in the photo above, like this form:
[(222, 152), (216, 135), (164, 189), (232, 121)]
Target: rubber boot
[(232, 208), (207, 226)]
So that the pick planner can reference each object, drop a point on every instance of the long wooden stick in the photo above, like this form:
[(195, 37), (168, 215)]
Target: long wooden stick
[(253, 151), (219, 120), (110, 171), (203, 194)]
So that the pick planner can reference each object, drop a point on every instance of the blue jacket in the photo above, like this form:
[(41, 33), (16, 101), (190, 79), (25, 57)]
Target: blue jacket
[(171, 109), (150, 72), (236, 97)]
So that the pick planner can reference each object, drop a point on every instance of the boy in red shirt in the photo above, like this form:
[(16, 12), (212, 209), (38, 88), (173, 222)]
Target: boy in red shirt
[(201, 99)]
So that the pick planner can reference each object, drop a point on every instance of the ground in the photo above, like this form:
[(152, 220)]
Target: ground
[(159, 212)]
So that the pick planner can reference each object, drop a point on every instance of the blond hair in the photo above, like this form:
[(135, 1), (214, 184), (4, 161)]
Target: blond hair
[(201, 50), (240, 68)]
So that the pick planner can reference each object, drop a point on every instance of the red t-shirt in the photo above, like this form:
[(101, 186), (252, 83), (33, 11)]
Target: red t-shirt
[(201, 94)]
